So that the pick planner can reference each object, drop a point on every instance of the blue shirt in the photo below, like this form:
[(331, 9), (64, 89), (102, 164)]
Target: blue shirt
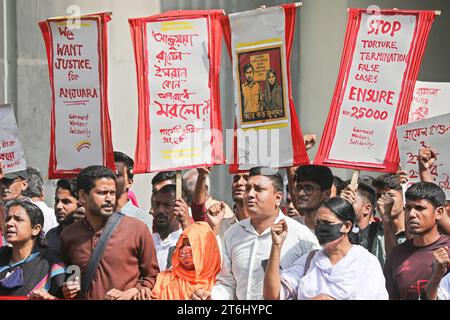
[(132, 211)]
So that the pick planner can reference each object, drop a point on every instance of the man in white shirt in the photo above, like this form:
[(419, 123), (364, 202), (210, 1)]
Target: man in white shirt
[(246, 244), (171, 218)]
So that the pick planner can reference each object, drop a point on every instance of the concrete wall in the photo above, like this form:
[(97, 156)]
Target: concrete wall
[(315, 62), (33, 89), (8, 52)]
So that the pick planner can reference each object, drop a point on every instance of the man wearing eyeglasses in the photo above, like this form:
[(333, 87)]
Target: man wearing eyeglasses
[(312, 186)]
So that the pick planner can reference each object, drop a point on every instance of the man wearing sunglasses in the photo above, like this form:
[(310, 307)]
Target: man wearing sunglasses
[(12, 185)]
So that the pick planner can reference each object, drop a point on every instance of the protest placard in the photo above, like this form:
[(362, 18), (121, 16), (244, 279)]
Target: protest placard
[(267, 131), (435, 133), (11, 150), (430, 99), (178, 62), (80, 125), (373, 94)]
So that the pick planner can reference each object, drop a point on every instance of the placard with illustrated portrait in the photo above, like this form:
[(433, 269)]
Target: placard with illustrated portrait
[(261, 91)]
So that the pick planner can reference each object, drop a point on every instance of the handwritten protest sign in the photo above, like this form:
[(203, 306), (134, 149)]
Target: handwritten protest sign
[(381, 59), (179, 110), (267, 131), (11, 151), (77, 62), (430, 99), (435, 133)]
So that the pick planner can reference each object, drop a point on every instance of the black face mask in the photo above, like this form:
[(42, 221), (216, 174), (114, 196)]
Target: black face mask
[(328, 232)]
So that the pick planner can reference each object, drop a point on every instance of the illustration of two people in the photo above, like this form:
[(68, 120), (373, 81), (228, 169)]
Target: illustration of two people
[(253, 99)]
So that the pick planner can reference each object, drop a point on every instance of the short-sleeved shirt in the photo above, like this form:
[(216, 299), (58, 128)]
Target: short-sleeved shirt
[(444, 287), (42, 269), (408, 268)]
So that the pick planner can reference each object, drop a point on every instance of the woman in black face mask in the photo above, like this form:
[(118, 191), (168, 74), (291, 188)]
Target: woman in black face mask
[(28, 269), (340, 271)]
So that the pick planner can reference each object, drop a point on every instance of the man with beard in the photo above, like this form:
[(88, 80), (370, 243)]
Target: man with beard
[(171, 218), (128, 263), (246, 245), (251, 90), (66, 204), (158, 181), (124, 171), (409, 266), (312, 186)]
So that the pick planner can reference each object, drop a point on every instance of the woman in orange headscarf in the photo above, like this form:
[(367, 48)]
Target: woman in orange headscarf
[(195, 265)]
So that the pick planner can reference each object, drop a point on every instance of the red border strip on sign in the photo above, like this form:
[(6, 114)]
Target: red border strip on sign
[(418, 44), (139, 38), (107, 149), (300, 156)]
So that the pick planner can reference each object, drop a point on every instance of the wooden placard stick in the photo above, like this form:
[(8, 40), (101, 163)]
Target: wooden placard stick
[(354, 182), (178, 185)]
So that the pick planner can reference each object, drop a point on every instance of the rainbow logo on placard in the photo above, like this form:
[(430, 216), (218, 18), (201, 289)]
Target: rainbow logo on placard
[(84, 144)]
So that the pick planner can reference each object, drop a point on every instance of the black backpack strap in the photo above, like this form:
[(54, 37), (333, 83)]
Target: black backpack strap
[(111, 225), (309, 258)]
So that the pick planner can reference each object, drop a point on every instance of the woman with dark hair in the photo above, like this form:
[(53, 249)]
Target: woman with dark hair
[(272, 92), (340, 271), (28, 268)]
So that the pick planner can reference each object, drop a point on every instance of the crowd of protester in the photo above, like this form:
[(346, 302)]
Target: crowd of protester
[(315, 237)]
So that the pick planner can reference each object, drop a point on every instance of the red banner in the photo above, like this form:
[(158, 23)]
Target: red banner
[(78, 69), (379, 67), (177, 58)]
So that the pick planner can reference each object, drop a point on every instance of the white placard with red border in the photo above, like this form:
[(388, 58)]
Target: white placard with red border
[(381, 59), (80, 129), (267, 130), (178, 62), (11, 151)]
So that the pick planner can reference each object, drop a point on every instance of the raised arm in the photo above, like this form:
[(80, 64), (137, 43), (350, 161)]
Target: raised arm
[(272, 282), (200, 192), (427, 157), (385, 204), (440, 263)]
